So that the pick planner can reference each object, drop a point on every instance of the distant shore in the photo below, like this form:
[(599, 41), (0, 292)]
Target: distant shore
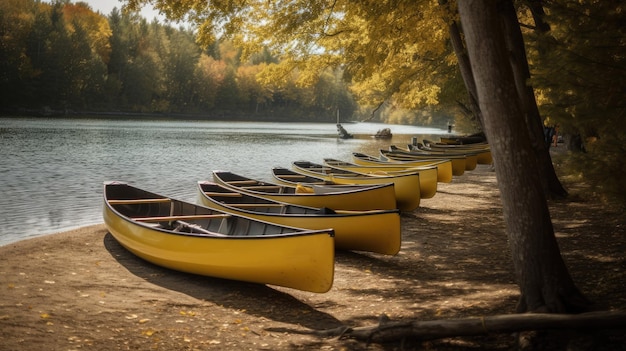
[(217, 116)]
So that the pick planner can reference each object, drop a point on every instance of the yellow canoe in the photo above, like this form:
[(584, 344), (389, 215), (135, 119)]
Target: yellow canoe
[(458, 162), (406, 186), (195, 239), (471, 158), (444, 166), (374, 231), (337, 197), (428, 174), (482, 151), (475, 139)]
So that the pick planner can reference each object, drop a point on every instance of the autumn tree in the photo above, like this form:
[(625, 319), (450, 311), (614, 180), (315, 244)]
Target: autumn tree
[(396, 50), (17, 21), (96, 27), (179, 60), (208, 80)]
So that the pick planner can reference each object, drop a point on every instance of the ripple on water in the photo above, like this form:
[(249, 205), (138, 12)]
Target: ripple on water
[(53, 169)]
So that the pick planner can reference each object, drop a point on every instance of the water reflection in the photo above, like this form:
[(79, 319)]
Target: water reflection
[(53, 169)]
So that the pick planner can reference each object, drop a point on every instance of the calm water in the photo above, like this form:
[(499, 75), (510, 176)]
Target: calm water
[(52, 170)]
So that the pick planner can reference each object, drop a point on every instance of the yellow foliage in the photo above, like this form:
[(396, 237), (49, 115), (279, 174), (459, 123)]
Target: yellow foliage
[(148, 332), (388, 49), (96, 26)]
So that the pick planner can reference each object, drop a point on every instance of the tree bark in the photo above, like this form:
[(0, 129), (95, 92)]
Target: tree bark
[(544, 280), (466, 71), (536, 9), (521, 73), (464, 67)]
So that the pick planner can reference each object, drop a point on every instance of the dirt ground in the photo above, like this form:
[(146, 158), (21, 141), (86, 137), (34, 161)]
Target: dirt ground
[(80, 290)]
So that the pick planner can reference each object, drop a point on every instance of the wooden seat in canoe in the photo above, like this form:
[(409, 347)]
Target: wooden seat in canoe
[(139, 201), (209, 193), (262, 187), (241, 182), (256, 205), (296, 176), (181, 217), (194, 228)]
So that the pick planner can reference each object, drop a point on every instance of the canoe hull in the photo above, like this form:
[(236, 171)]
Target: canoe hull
[(381, 197), (482, 152), (374, 231), (444, 167), (458, 163), (471, 158), (406, 186), (427, 174), (303, 260)]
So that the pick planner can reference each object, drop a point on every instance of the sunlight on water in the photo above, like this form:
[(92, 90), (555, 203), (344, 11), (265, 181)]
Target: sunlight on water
[(53, 169)]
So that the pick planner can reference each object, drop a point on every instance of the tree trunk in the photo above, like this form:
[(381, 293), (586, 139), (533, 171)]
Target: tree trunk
[(536, 9), (544, 280), (466, 71), (519, 63), (464, 67)]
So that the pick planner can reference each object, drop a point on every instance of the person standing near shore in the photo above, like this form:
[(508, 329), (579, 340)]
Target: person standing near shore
[(555, 135)]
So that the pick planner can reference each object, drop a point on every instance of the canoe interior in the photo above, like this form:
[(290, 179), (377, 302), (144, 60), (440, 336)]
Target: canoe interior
[(182, 217), (238, 181), (291, 177), (321, 169), (248, 203)]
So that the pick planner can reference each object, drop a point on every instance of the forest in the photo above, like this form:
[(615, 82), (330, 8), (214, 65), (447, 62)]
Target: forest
[(64, 57)]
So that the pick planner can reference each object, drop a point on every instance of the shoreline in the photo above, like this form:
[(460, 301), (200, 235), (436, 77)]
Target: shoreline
[(79, 289), (52, 232)]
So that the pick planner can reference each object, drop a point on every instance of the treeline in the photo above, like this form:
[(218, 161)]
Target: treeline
[(65, 58)]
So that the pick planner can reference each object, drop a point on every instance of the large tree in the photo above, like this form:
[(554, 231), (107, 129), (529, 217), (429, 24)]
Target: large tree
[(521, 73), (399, 50), (541, 273)]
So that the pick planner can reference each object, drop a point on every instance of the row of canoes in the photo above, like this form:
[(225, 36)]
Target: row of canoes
[(282, 233)]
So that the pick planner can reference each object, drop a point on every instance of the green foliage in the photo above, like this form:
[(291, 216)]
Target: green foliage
[(17, 20), (603, 166), (580, 75)]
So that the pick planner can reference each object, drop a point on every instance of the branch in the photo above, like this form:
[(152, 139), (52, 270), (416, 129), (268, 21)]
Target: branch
[(374, 111), (426, 330)]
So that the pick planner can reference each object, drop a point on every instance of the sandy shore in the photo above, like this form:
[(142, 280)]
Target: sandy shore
[(81, 290)]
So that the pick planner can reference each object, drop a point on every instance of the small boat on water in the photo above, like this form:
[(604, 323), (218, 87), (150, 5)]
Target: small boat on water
[(195, 239), (427, 174), (338, 197), (374, 231), (444, 166), (384, 133), (406, 186)]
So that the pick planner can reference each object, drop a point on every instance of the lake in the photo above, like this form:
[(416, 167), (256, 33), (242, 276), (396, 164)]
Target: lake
[(53, 169)]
